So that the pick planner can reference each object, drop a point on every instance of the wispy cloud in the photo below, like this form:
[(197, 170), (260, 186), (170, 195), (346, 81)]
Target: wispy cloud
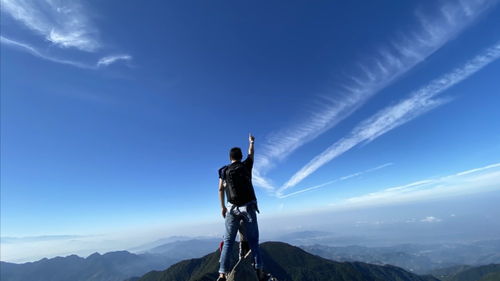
[(335, 180), (35, 52), (259, 180), (8, 239), (106, 61), (467, 182), (63, 23), (408, 49), (396, 115), (431, 219)]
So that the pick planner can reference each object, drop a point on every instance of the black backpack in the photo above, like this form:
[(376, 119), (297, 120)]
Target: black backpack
[(239, 184)]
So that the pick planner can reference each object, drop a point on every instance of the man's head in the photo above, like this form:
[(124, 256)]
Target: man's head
[(235, 154)]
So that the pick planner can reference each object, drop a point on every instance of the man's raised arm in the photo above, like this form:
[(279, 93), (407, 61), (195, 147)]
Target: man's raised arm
[(251, 139)]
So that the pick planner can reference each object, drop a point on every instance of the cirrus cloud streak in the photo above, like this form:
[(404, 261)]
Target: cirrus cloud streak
[(391, 117), (404, 52)]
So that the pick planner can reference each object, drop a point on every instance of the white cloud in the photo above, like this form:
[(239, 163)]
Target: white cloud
[(63, 23), (105, 61), (334, 181), (478, 180), (261, 181), (35, 52), (406, 51), (396, 115), (431, 219), (12, 240)]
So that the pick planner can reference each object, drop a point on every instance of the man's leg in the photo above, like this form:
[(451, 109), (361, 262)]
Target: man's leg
[(252, 235), (232, 225), (244, 247)]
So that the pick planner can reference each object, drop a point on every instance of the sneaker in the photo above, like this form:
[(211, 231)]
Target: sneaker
[(244, 249)]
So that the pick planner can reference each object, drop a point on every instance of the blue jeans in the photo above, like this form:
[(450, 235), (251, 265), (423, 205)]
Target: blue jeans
[(233, 221)]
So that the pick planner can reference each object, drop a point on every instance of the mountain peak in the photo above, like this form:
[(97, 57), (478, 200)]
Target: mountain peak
[(243, 272), (285, 262), (94, 255)]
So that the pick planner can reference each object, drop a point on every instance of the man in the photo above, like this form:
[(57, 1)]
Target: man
[(244, 247), (235, 180)]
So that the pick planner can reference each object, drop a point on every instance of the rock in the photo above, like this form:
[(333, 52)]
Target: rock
[(243, 272)]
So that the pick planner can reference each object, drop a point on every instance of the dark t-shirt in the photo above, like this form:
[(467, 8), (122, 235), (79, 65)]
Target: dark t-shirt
[(248, 163)]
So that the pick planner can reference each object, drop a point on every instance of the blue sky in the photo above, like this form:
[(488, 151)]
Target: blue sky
[(116, 116)]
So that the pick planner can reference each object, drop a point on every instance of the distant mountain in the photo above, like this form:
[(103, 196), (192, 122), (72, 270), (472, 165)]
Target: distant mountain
[(414, 257), (409, 261), (186, 249), (113, 266), (169, 241), (144, 247), (322, 238), (287, 263), (468, 273)]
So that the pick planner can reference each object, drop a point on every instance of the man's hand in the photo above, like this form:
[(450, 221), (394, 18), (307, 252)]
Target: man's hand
[(251, 139), (224, 211)]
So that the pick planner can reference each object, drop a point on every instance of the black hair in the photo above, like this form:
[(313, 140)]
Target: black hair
[(235, 154)]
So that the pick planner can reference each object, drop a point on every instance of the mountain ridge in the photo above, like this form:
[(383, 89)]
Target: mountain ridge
[(287, 263), (111, 266)]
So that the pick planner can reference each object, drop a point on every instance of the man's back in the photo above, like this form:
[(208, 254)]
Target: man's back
[(238, 176)]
